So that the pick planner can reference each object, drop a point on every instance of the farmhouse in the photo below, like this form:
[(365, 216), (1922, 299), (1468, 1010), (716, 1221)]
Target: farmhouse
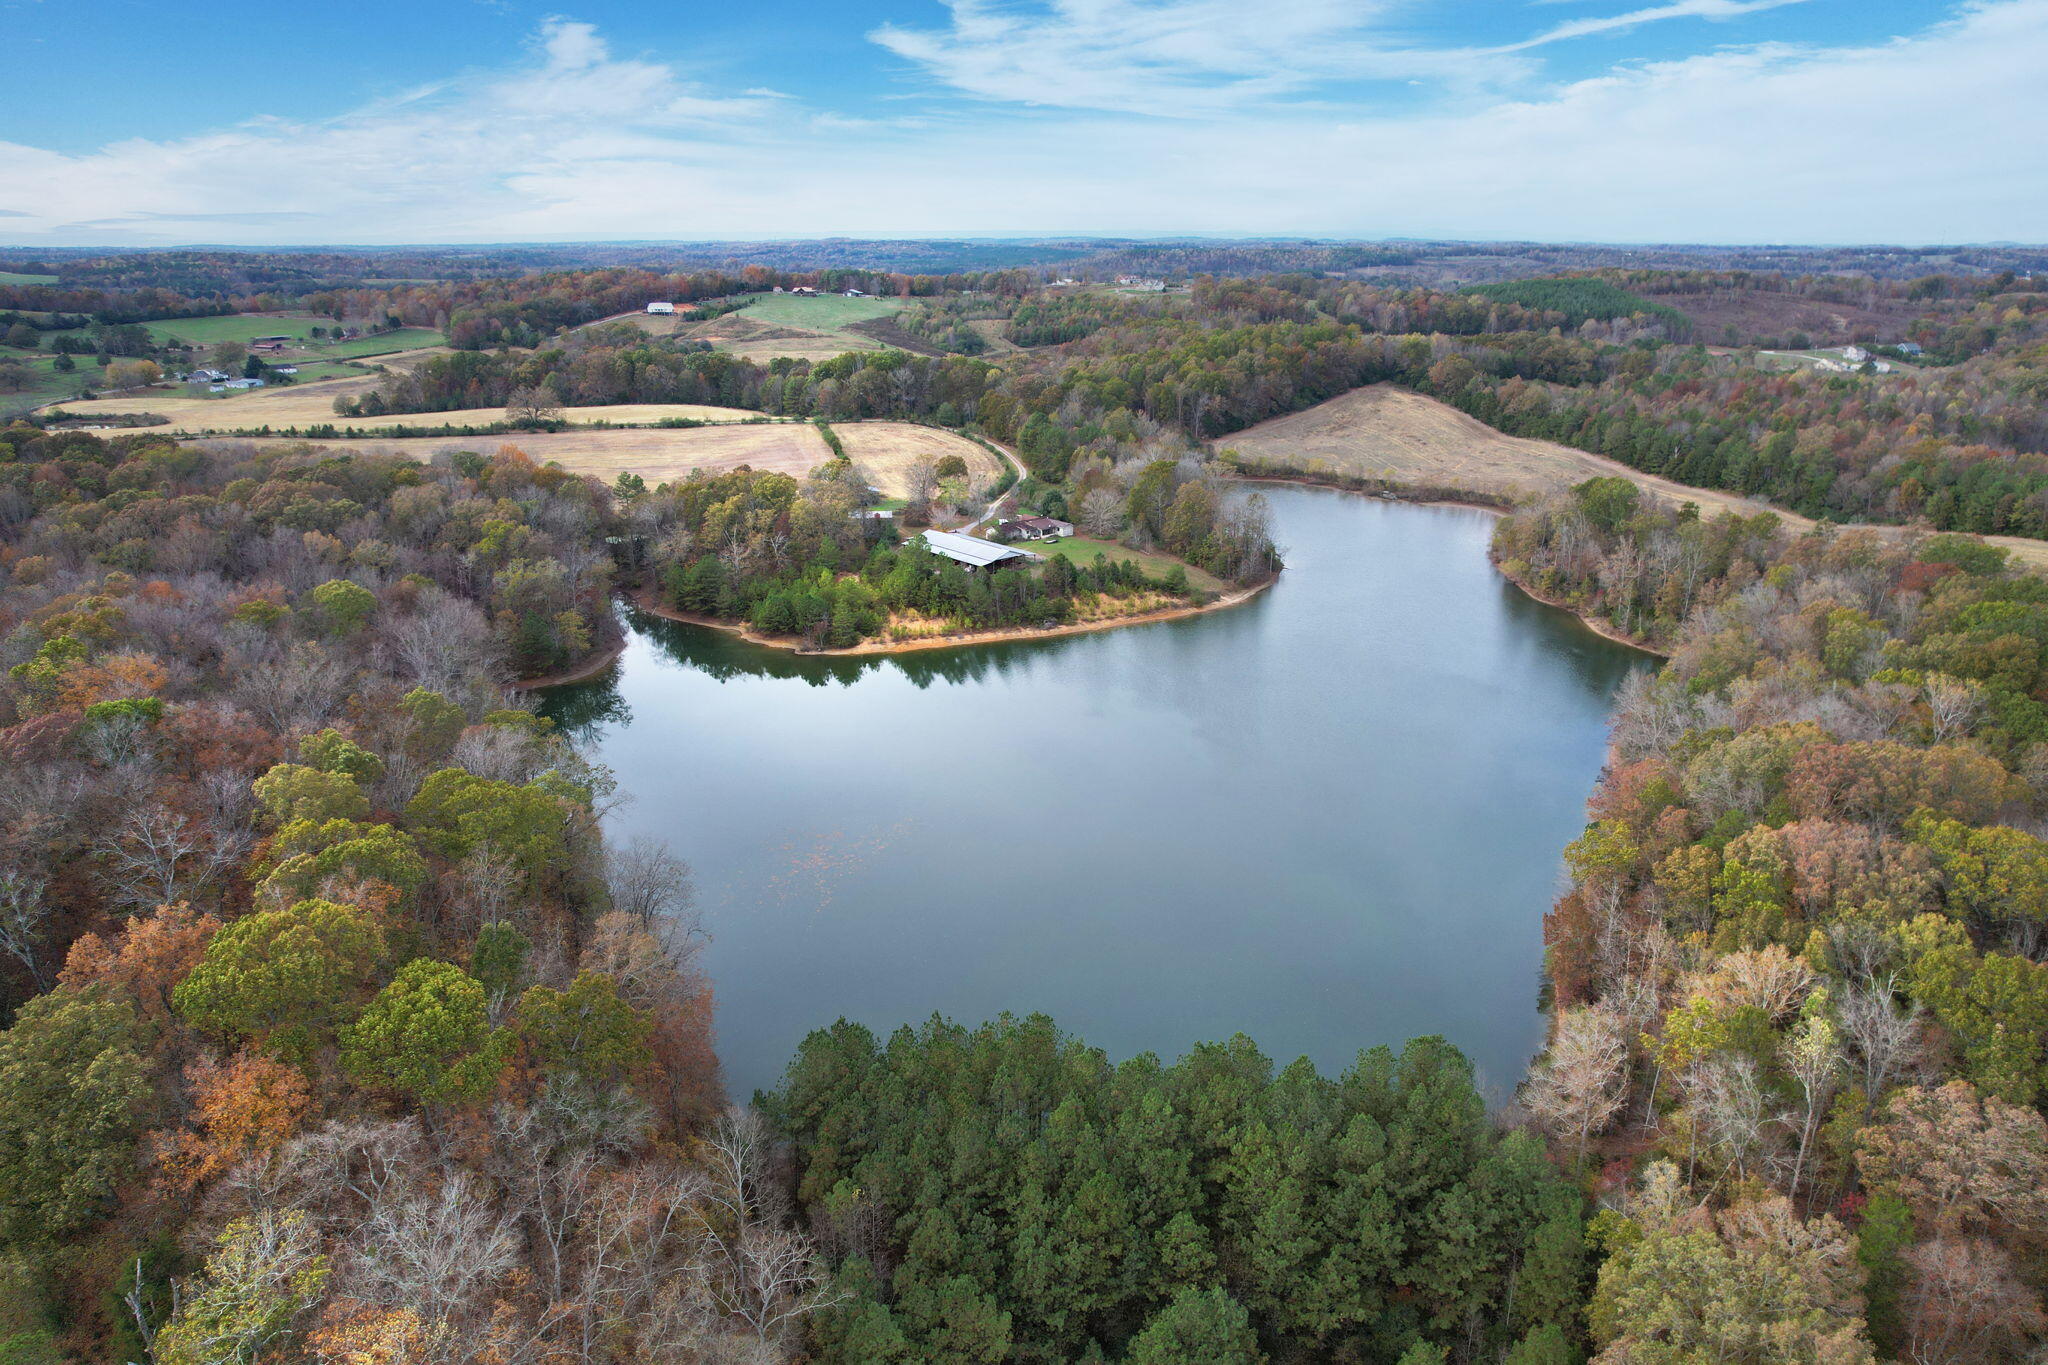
[(804, 291), (974, 552), (208, 377), (1034, 528), (661, 308), (1855, 355), (1909, 348)]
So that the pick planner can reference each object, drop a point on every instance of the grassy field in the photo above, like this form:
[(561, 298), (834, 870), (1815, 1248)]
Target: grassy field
[(319, 371), (384, 343), (1082, 550), (235, 327), (826, 313), (305, 404), (47, 384), (16, 277), (665, 454), (883, 452), (1383, 432), (658, 455), (248, 326)]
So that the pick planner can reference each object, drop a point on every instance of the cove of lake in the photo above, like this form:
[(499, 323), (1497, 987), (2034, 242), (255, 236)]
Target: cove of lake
[(1329, 818)]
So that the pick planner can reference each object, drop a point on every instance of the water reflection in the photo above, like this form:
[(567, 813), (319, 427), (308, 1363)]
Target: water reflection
[(1330, 817)]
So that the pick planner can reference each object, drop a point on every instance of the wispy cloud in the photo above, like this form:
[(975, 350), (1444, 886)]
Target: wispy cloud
[(1176, 58), (1917, 138)]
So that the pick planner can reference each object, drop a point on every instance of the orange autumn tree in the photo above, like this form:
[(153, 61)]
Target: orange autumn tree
[(145, 961), (242, 1108)]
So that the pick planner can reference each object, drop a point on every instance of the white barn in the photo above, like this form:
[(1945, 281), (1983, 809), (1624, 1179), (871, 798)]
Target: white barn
[(661, 308), (973, 551)]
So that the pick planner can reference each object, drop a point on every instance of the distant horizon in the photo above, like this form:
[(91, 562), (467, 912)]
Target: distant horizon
[(1614, 122), (1046, 238)]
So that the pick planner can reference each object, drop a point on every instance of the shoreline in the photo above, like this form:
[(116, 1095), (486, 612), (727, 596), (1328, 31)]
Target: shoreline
[(582, 671), (646, 600), (1441, 498)]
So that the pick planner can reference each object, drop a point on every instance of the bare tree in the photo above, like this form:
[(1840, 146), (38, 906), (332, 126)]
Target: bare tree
[(922, 482), (1102, 514), (438, 1250), (532, 406), (1813, 1058), (1953, 705), (649, 882), (1883, 1039), (24, 913), (757, 1269), (1579, 1086), (154, 858)]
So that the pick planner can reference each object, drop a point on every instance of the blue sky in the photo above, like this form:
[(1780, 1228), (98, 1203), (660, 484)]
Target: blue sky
[(497, 120)]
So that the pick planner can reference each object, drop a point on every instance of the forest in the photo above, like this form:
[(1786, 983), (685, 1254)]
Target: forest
[(336, 1030), (1799, 975)]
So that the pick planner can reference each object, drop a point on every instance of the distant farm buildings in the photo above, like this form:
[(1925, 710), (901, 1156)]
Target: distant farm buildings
[(661, 308), (804, 291), (973, 553), (1034, 528)]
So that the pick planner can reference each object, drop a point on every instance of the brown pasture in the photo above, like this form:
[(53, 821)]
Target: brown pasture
[(1380, 431)]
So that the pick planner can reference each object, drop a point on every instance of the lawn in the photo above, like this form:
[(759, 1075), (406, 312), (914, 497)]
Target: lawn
[(826, 313), (46, 384), (313, 371), (299, 327), (1082, 550), (16, 277), (384, 343), (234, 327)]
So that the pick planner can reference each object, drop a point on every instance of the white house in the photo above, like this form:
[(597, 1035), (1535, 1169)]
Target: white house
[(661, 308), (1855, 355)]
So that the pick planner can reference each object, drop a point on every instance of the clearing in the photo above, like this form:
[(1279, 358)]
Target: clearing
[(1384, 432), (16, 277), (824, 313), (303, 405), (884, 450), (1082, 550), (236, 327)]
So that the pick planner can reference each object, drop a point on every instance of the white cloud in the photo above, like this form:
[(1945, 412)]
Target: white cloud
[(1174, 58), (1927, 137), (1718, 10)]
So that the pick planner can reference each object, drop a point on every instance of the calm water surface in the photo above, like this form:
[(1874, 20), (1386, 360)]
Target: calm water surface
[(1329, 818)]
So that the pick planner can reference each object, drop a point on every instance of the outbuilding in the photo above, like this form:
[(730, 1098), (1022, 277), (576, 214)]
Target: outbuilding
[(661, 308), (973, 552)]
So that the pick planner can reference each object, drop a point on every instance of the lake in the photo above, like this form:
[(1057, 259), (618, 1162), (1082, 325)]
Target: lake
[(1328, 818)]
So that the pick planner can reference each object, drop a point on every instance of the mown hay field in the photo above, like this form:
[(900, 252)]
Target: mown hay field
[(1383, 432), (883, 451), (303, 405)]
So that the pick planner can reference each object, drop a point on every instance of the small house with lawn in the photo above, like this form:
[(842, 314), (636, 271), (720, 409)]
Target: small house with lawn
[(1034, 528), (972, 552)]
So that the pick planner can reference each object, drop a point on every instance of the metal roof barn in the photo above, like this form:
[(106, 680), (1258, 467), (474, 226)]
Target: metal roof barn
[(972, 551)]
